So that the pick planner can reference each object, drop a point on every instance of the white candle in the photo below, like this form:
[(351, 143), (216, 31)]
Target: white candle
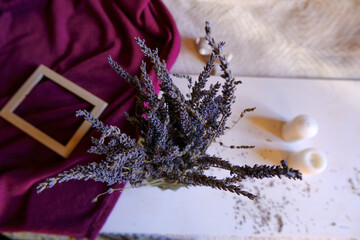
[(308, 161), (203, 46), (301, 127), (205, 50)]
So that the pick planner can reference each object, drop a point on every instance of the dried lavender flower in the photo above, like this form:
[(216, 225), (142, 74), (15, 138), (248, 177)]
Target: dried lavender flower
[(175, 133)]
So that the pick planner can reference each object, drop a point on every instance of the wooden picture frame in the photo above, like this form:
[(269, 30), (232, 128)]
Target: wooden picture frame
[(7, 112)]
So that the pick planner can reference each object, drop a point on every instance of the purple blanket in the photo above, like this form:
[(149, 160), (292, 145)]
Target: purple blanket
[(73, 38)]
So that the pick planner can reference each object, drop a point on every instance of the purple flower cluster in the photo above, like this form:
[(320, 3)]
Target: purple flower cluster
[(175, 132)]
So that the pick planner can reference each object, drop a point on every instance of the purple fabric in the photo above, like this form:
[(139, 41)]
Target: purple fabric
[(74, 38)]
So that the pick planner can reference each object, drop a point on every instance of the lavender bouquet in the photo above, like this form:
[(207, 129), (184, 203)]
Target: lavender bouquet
[(175, 132)]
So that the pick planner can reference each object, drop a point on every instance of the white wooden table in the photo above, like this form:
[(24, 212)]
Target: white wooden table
[(322, 205)]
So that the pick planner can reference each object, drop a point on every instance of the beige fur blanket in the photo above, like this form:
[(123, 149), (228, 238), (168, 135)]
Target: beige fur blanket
[(274, 38)]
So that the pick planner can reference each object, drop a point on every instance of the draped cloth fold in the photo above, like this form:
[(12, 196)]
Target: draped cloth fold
[(73, 38)]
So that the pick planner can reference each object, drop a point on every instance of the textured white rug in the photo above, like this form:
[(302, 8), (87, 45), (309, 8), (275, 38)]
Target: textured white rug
[(274, 38)]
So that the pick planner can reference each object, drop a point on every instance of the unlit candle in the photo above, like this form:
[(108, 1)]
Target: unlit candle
[(301, 127), (203, 46), (308, 161)]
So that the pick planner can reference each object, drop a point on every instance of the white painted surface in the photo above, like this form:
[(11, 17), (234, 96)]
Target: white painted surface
[(322, 205)]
